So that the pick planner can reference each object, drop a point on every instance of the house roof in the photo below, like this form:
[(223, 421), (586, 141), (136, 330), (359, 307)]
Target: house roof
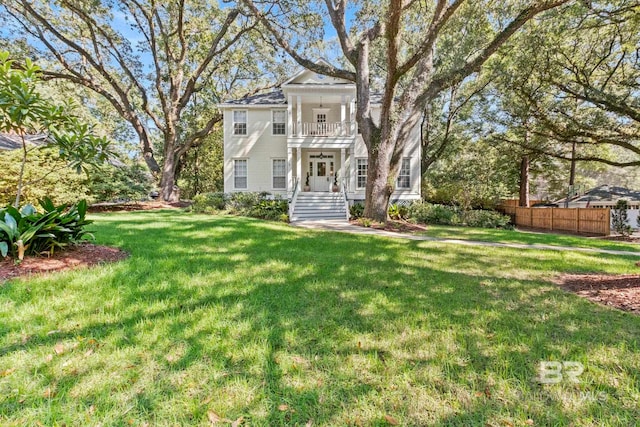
[(276, 97), (10, 141), (605, 193)]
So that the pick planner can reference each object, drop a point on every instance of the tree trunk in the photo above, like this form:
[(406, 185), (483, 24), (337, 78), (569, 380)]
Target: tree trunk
[(377, 193), (524, 182), (379, 182), (572, 174), (169, 166), (16, 204)]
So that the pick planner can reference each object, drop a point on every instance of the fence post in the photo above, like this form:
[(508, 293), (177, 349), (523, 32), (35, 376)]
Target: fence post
[(551, 218), (577, 220), (530, 217), (608, 226)]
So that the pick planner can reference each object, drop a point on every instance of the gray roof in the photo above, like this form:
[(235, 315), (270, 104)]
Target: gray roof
[(605, 193), (276, 97), (270, 98), (13, 142)]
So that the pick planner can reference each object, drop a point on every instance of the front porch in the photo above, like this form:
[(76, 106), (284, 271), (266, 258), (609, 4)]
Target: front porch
[(319, 170)]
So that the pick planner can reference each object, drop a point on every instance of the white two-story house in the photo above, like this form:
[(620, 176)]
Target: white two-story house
[(301, 142)]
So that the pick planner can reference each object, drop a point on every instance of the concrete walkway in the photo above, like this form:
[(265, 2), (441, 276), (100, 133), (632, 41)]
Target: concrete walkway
[(345, 227)]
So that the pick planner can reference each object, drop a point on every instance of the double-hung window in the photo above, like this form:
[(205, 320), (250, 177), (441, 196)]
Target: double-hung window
[(279, 173), (279, 122), (404, 177), (240, 174), (361, 172), (239, 122)]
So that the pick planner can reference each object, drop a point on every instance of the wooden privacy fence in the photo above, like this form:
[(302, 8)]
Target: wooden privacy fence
[(577, 220), (509, 206)]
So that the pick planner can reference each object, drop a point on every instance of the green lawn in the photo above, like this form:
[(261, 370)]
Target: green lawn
[(223, 317), (526, 237)]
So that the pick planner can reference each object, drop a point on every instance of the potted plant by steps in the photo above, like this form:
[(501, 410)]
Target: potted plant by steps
[(306, 184), (335, 187)]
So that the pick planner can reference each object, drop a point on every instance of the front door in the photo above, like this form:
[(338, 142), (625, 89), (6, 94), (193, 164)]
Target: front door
[(320, 169), (320, 177)]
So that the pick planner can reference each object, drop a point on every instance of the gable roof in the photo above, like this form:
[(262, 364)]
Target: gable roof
[(301, 72), (9, 141), (605, 193)]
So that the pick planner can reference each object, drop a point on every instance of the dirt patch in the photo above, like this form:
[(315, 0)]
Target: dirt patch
[(136, 206), (394, 225), (619, 291), (79, 256)]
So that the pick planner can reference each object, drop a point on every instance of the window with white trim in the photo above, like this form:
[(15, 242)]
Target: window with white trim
[(279, 174), (240, 174), (404, 177), (279, 122), (361, 172), (239, 122)]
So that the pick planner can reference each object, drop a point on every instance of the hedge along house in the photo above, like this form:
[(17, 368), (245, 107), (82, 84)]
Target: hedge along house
[(301, 141)]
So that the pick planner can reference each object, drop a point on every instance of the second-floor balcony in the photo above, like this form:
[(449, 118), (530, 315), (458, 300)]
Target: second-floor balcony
[(325, 129)]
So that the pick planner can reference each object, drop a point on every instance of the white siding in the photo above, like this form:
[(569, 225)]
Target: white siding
[(259, 147)]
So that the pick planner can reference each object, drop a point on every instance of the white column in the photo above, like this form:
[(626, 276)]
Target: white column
[(299, 115), (343, 115), (352, 117), (342, 168), (290, 169), (290, 116), (299, 166), (352, 170)]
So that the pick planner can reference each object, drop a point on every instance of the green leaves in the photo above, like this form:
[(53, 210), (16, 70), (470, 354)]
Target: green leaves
[(28, 232), (25, 111)]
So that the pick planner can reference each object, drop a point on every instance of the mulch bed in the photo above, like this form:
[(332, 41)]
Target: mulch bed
[(79, 256), (393, 225), (619, 291), (136, 206)]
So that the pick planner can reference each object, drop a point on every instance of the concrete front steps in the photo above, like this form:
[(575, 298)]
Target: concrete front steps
[(319, 206)]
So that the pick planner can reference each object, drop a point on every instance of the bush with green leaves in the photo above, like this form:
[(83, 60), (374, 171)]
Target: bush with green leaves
[(242, 203), (398, 212), (257, 205), (487, 219), (620, 218), (427, 213), (274, 209), (209, 202), (30, 232), (356, 210)]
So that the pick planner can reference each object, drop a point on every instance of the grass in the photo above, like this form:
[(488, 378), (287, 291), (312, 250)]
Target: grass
[(527, 237), (233, 318)]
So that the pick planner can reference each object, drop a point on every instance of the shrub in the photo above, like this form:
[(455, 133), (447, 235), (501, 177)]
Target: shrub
[(27, 231), (257, 205), (487, 219), (620, 219), (434, 214), (241, 203), (209, 202), (398, 211), (356, 210), (270, 209)]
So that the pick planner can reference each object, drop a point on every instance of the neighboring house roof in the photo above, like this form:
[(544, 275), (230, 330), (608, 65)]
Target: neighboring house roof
[(604, 193), (10, 141)]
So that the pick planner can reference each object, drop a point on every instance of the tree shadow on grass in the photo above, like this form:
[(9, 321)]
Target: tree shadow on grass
[(323, 326)]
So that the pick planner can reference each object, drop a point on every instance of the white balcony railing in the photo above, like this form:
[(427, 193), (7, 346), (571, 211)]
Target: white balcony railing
[(326, 129)]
